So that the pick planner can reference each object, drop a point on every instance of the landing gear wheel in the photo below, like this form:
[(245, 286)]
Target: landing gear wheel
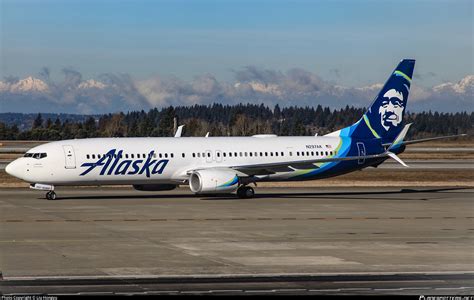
[(51, 195), (245, 192)]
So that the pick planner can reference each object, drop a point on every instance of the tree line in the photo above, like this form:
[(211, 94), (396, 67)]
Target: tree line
[(228, 120)]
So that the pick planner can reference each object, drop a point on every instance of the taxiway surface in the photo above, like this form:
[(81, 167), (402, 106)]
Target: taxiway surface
[(122, 233)]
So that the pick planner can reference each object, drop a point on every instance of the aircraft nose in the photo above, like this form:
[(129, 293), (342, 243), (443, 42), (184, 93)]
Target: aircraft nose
[(14, 169)]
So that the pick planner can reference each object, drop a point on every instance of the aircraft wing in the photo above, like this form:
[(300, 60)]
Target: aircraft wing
[(272, 168), (426, 140)]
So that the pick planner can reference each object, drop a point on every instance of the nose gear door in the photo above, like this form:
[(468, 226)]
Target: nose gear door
[(70, 157)]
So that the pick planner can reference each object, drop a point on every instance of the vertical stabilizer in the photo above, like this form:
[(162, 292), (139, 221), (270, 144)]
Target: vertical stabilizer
[(384, 118)]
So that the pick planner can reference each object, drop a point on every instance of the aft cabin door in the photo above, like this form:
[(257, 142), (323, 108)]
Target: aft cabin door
[(361, 148), (70, 157)]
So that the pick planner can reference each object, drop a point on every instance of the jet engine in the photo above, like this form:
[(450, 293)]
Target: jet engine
[(154, 187), (213, 181)]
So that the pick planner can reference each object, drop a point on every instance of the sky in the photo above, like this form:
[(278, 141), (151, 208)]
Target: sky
[(349, 43)]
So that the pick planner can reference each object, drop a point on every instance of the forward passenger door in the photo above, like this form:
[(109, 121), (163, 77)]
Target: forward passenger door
[(70, 157)]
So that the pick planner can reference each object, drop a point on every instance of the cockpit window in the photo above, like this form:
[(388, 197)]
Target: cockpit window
[(36, 155)]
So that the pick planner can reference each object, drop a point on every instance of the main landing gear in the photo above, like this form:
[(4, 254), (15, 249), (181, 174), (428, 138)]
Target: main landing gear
[(51, 195), (245, 192)]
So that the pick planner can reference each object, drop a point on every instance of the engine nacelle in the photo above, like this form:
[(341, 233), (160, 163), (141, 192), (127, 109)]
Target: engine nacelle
[(154, 187), (213, 181)]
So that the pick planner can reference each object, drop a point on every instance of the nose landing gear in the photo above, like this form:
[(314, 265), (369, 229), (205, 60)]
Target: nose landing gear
[(51, 195)]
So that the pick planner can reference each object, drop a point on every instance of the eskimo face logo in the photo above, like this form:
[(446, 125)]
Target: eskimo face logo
[(113, 164), (391, 109)]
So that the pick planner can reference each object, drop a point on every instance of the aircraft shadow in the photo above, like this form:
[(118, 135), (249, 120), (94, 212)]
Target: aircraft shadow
[(260, 196), (118, 197), (341, 195)]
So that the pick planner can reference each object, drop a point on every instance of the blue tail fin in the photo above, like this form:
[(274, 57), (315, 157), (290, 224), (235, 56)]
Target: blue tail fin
[(384, 118)]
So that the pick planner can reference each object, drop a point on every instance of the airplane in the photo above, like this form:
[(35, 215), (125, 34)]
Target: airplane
[(216, 165)]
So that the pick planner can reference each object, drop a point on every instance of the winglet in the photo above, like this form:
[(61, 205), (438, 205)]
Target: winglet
[(179, 131), (207, 134), (399, 139)]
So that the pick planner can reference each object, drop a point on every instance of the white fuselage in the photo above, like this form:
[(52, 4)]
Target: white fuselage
[(71, 162)]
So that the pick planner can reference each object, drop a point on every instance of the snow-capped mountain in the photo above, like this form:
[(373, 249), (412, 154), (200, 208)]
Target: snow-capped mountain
[(27, 85), (464, 86), (35, 85)]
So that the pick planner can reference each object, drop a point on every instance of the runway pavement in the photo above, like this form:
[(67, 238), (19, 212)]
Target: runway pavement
[(117, 240)]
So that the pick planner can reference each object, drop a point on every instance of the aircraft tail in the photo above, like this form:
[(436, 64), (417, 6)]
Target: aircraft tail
[(384, 118)]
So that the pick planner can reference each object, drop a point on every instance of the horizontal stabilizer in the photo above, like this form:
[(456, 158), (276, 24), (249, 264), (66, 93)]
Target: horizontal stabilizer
[(395, 157)]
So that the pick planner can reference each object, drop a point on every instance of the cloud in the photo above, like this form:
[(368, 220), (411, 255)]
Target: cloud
[(251, 84), (44, 74), (72, 78), (253, 73), (10, 79), (110, 93), (422, 76)]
